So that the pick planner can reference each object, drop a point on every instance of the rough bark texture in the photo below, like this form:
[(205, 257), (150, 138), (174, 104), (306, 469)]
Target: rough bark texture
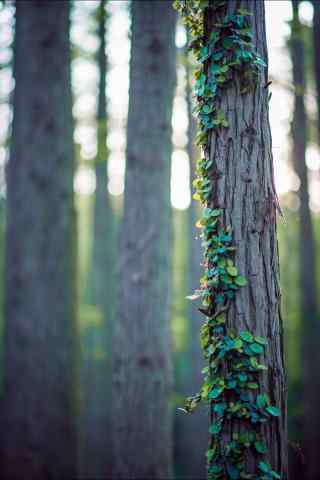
[(243, 183), (141, 381), (316, 50), (307, 261), (97, 367), (37, 426)]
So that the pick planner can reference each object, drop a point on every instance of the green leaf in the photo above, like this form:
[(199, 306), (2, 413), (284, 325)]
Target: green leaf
[(274, 411), (264, 467), (256, 348), (238, 344), (243, 377), (246, 336), (261, 340), (215, 392), (244, 12), (215, 469), (261, 401), (219, 408), (232, 271), (210, 455), (274, 474), (215, 428), (260, 447), (241, 281), (216, 212), (254, 362), (252, 385)]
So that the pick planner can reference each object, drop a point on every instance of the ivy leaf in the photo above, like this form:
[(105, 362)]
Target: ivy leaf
[(256, 348), (232, 271), (264, 467), (219, 408), (252, 385), (260, 447), (261, 401), (261, 340), (215, 392), (274, 411), (215, 469), (246, 336), (243, 12), (274, 474), (243, 377), (238, 344), (241, 281), (215, 428), (210, 455)]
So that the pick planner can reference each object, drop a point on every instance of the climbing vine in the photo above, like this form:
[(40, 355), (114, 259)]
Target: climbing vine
[(231, 379)]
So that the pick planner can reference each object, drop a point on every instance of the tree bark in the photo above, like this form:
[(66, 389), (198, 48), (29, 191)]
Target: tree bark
[(243, 186), (37, 424), (307, 260), (142, 371)]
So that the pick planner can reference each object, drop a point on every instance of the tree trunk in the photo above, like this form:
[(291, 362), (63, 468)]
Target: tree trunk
[(97, 374), (142, 370), (37, 424), (307, 260), (242, 186)]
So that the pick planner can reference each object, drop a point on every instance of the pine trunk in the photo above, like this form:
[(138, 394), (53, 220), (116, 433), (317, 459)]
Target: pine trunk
[(142, 370), (37, 424), (243, 186), (307, 261)]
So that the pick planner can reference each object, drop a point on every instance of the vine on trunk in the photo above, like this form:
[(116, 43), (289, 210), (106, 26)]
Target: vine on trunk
[(231, 379)]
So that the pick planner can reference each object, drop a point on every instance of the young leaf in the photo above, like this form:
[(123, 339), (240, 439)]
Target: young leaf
[(246, 336), (241, 281), (274, 411), (256, 348)]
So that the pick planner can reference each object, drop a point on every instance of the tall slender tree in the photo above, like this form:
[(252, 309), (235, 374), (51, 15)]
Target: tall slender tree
[(242, 334), (37, 425), (307, 258), (97, 369), (141, 380)]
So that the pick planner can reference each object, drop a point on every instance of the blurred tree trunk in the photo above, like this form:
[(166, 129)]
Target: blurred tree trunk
[(316, 49), (103, 260), (97, 358), (307, 256), (37, 424), (243, 187), (142, 367)]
